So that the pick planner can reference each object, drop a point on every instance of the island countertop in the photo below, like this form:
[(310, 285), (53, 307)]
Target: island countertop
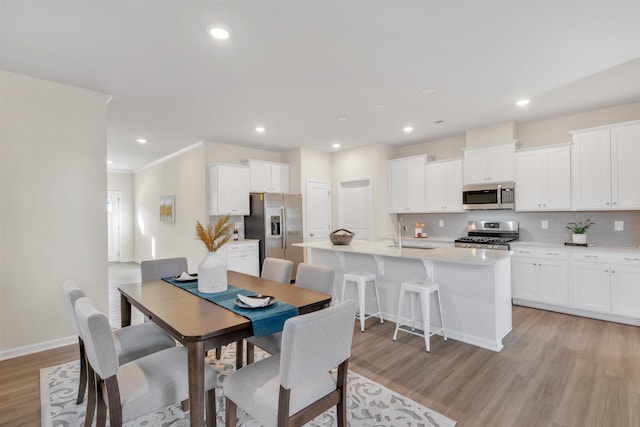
[(443, 254)]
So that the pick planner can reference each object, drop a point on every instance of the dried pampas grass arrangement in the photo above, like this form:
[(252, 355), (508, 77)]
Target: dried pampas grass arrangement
[(214, 237)]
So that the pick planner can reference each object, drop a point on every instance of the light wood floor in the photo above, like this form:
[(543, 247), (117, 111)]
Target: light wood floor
[(555, 370)]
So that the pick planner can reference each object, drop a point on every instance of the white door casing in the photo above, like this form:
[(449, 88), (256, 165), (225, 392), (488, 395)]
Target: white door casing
[(113, 226), (318, 208)]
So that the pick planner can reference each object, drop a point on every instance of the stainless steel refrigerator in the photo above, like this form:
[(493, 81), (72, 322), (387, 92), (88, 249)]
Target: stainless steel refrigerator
[(276, 219)]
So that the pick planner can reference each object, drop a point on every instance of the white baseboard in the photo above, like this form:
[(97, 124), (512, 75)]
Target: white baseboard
[(35, 348)]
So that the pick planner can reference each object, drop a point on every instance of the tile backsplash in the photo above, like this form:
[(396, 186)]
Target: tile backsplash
[(601, 233)]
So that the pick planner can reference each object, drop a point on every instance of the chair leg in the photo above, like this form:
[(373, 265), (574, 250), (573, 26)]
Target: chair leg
[(230, 415), (211, 408), (82, 384), (426, 318), (361, 303), (91, 396), (101, 418), (413, 302), (250, 353), (375, 289), (444, 334), (341, 408), (218, 353), (115, 405), (184, 405)]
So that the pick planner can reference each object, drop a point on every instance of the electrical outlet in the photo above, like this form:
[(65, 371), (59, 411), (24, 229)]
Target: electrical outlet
[(238, 225), (441, 223), (618, 225), (544, 224)]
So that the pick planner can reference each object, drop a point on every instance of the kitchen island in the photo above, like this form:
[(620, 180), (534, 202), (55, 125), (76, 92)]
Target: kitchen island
[(475, 284)]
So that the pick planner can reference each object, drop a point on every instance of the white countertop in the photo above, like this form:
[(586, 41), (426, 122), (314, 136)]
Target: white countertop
[(444, 254)]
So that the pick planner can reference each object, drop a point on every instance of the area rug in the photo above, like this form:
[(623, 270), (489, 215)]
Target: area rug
[(368, 403)]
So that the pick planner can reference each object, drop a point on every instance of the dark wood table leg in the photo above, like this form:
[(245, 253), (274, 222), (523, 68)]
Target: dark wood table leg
[(195, 351), (239, 348), (125, 311)]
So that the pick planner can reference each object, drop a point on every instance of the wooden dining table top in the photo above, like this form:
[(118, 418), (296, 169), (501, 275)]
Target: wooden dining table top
[(190, 318)]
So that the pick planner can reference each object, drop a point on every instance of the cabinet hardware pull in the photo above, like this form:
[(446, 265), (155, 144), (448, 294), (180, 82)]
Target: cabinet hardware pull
[(632, 259), (553, 253), (591, 256)]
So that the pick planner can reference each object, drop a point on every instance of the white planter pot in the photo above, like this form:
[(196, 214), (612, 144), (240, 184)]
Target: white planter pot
[(579, 238), (212, 274)]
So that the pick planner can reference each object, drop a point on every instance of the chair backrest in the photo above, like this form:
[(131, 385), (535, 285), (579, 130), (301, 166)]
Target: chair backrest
[(316, 277), (314, 343), (71, 294), (158, 268), (98, 339), (278, 270)]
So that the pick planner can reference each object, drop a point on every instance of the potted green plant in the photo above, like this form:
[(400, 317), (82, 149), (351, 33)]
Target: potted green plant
[(579, 230)]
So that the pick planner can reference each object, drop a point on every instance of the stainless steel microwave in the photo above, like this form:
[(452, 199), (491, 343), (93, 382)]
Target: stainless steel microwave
[(499, 195)]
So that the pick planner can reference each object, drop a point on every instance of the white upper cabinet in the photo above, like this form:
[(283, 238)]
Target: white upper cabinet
[(493, 163), (543, 179), (228, 190), (407, 184), (604, 163), (269, 177), (444, 186)]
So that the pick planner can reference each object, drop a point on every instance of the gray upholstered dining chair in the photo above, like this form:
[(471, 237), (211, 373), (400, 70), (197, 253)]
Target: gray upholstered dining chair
[(141, 386), (158, 268), (296, 385), (278, 270), (132, 342), (315, 277)]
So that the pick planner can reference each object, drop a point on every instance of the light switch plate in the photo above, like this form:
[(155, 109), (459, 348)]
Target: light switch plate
[(441, 223), (544, 224), (618, 225)]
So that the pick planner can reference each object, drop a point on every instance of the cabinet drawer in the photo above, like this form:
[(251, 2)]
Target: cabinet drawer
[(548, 253), (609, 257)]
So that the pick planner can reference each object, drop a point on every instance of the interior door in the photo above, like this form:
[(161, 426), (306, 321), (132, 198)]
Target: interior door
[(113, 226), (356, 207), (318, 209)]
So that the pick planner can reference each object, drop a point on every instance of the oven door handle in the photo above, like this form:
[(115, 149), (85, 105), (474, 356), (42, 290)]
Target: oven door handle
[(500, 195)]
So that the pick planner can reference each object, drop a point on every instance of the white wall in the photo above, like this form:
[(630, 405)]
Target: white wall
[(441, 149), (122, 182), (53, 196)]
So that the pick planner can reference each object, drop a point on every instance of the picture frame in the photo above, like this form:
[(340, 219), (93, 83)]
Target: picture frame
[(168, 209)]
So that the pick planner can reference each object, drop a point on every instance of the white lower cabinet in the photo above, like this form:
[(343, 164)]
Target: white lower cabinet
[(242, 257), (540, 276), (594, 283)]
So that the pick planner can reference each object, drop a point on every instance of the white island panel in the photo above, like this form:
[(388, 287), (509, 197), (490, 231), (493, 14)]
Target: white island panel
[(475, 284)]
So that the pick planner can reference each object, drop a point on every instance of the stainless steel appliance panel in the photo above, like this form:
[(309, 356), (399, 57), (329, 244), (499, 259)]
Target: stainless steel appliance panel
[(274, 226), (293, 230), (498, 195)]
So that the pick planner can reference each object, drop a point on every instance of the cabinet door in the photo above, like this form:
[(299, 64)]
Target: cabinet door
[(280, 178), (260, 177), (524, 275), (625, 166), (556, 179), (500, 163), (591, 170), (399, 175), (625, 290), (453, 192), (241, 188), (553, 282), (591, 289), (416, 184), (436, 187), (475, 166), (228, 190), (529, 181)]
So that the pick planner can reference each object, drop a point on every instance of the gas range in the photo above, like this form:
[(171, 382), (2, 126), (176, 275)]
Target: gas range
[(489, 235)]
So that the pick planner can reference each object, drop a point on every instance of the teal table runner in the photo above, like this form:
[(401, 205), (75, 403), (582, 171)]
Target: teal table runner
[(265, 321)]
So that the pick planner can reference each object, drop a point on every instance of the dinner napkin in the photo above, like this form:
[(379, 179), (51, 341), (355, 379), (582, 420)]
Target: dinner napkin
[(185, 276), (253, 302)]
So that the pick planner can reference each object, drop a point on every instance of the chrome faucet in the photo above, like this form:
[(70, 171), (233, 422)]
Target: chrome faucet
[(402, 226)]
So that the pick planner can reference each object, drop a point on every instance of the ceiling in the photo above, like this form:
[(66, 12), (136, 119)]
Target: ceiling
[(295, 67)]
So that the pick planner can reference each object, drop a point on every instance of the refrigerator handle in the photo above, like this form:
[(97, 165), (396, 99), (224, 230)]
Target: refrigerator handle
[(283, 211)]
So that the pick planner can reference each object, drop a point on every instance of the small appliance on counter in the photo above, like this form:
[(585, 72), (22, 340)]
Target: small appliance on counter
[(489, 235), (418, 230)]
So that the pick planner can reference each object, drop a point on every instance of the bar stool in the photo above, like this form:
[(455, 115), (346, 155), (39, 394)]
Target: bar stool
[(361, 279), (423, 288)]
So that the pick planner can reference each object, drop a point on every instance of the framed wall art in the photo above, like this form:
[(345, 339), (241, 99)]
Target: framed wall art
[(168, 209)]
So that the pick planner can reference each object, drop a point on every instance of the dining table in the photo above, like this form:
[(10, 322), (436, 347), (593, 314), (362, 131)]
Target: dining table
[(201, 325)]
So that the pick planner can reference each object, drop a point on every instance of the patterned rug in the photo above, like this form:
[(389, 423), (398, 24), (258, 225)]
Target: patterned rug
[(368, 403)]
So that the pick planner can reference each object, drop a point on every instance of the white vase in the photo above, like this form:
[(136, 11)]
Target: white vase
[(579, 238), (212, 274)]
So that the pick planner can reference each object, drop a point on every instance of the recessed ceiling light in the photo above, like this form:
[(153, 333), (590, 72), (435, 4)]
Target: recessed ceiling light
[(219, 33), (427, 91), (141, 140), (260, 129), (523, 102), (407, 129), (336, 145), (109, 162), (341, 118), (378, 106)]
